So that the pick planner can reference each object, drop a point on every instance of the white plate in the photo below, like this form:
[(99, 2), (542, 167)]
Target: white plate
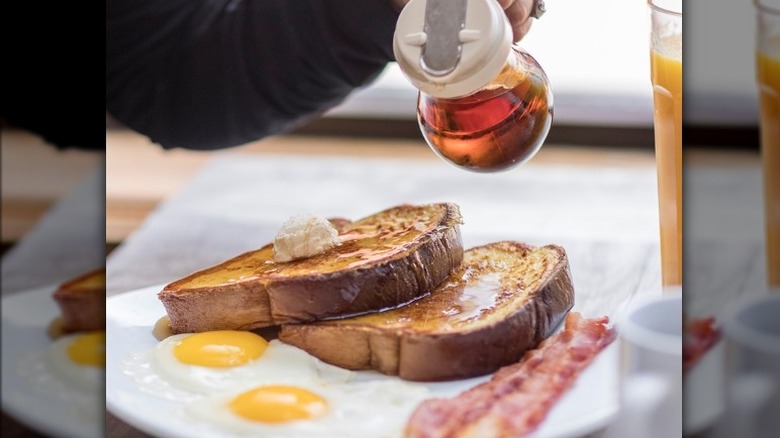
[(28, 393), (587, 407)]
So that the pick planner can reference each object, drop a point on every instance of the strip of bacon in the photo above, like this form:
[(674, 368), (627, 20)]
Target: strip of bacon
[(515, 401), (699, 336)]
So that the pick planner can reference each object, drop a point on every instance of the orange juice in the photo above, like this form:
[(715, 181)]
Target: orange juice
[(769, 82), (666, 75)]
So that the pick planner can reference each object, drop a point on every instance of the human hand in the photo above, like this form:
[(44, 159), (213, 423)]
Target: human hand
[(519, 14), (517, 11)]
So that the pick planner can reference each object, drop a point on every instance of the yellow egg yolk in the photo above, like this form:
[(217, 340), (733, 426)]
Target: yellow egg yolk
[(89, 349), (278, 404), (220, 349)]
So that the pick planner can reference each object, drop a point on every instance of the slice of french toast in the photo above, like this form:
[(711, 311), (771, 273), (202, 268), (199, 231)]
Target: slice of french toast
[(82, 302), (382, 261), (504, 299)]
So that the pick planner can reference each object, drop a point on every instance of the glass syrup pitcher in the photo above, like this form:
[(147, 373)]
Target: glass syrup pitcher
[(484, 104)]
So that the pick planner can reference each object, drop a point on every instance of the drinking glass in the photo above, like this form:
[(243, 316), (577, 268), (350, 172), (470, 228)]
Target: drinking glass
[(666, 77), (768, 75)]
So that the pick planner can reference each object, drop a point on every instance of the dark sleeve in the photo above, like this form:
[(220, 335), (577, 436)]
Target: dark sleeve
[(207, 74), (52, 83)]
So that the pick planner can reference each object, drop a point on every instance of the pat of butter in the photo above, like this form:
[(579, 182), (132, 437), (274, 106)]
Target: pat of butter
[(304, 236)]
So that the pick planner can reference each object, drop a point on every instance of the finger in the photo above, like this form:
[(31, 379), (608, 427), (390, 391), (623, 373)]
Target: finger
[(505, 3), (520, 9), (518, 14), (522, 30)]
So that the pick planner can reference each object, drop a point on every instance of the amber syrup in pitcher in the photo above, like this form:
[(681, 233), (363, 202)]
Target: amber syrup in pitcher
[(498, 127), (484, 103)]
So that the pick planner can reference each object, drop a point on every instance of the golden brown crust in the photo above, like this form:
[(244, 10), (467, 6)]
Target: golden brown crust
[(399, 280), (82, 302), (238, 306), (272, 294), (415, 351)]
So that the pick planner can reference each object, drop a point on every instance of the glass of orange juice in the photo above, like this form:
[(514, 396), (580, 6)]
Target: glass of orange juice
[(768, 75), (666, 77)]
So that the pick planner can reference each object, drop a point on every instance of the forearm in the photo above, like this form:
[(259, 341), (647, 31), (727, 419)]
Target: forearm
[(216, 73)]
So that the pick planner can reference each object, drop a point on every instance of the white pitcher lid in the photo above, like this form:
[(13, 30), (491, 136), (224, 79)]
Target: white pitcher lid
[(452, 48)]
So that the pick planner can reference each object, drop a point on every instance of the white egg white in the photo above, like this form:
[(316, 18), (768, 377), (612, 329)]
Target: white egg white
[(279, 364), (50, 373), (374, 408), (84, 378), (377, 409)]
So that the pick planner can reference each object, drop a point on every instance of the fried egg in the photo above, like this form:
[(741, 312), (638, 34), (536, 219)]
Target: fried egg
[(353, 409), (184, 366), (70, 371), (79, 360), (237, 383)]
